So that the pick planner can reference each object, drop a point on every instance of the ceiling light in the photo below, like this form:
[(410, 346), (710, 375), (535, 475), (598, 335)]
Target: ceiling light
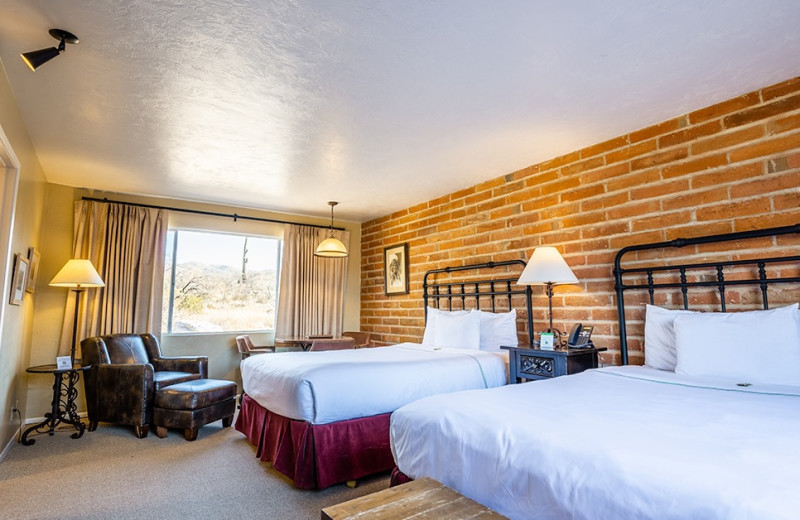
[(36, 59), (331, 247)]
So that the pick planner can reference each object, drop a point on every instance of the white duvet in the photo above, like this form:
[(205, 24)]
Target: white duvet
[(328, 386), (618, 442)]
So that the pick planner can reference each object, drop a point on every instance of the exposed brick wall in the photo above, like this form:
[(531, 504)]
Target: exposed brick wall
[(729, 167)]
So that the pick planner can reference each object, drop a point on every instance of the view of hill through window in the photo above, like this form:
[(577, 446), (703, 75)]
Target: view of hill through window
[(216, 282)]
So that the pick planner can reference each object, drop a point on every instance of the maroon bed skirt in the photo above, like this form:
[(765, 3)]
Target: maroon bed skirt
[(316, 456), (398, 477)]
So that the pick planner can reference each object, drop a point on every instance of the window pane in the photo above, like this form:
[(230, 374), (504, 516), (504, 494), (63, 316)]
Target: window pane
[(221, 282)]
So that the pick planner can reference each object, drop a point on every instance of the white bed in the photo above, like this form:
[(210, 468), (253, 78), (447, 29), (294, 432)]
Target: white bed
[(336, 385), (618, 442)]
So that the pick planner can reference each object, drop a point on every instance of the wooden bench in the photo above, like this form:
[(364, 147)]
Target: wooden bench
[(423, 499)]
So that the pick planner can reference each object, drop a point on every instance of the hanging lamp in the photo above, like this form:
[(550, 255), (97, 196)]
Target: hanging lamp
[(331, 247)]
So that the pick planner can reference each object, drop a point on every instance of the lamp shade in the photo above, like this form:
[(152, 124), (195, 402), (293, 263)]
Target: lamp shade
[(77, 274), (35, 59), (331, 248), (547, 266)]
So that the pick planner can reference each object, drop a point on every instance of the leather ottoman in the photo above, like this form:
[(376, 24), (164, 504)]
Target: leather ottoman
[(192, 404)]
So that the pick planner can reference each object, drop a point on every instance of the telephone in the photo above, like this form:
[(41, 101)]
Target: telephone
[(579, 336)]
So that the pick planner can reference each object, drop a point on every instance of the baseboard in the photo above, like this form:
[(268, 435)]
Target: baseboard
[(10, 443)]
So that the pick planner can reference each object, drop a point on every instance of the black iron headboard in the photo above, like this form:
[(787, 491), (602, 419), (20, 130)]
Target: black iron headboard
[(757, 271), (475, 293)]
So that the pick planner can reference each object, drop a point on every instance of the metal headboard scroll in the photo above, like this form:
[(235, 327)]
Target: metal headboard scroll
[(720, 282), (468, 291)]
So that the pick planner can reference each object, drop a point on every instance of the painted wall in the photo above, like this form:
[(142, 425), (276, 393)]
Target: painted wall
[(17, 329), (221, 349), (729, 167)]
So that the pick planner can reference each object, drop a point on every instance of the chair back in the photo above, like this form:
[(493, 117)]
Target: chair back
[(244, 344), (333, 344), (121, 349), (361, 338)]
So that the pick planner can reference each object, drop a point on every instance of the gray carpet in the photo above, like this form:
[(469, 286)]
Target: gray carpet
[(109, 473)]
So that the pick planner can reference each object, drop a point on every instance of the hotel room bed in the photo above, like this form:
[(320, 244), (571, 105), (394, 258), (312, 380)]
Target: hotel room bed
[(707, 429), (323, 417)]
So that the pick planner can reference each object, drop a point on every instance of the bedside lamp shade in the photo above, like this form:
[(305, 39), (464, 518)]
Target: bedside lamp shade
[(547, 267), (77, 274)]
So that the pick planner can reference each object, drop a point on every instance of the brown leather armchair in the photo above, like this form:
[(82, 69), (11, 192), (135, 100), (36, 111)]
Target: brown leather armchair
[(125, 372)]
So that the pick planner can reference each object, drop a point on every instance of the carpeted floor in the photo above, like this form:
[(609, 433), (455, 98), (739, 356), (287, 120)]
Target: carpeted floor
[(109, 473)]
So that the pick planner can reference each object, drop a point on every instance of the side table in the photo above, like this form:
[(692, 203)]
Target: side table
[(63, 407), (525, 362)]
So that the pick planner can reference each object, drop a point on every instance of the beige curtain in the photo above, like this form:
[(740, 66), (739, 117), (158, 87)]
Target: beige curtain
[(311, 293), (126, 245)]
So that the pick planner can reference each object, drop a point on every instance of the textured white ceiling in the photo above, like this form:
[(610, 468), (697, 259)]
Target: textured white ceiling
[(379, 104)]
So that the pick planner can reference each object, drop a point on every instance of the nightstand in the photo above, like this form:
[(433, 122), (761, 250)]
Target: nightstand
[(525, 362)]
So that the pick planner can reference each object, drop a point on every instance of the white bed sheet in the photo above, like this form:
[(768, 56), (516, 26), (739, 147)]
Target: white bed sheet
[(335, 385), (617, 442)]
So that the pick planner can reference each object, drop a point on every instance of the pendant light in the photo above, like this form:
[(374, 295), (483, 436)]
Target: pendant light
[(35, 59), (331, 247)]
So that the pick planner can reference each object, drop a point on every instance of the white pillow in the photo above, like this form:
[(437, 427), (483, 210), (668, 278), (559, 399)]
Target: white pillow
[(498, 329), (749, 347), (429, 336), (458, 330), (659, 337)]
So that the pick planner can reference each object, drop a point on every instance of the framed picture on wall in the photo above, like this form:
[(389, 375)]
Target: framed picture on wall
[(18, 280), (33, 269), (395, 269)]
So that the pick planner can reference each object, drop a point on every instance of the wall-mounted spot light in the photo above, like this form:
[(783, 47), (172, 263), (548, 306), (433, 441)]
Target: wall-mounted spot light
[(36, 59)]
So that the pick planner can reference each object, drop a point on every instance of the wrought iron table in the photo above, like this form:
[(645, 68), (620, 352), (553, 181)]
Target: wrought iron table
[(63, 407)]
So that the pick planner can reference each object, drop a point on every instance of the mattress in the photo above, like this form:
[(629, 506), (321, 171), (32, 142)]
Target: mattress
[(336, 385), (617, 442)]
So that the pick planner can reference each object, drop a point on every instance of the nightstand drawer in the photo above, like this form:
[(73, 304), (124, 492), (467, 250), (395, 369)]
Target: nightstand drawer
[(534, 365), (526, 363)]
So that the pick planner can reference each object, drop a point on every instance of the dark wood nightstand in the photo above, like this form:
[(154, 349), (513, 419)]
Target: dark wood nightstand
[(525, 362)]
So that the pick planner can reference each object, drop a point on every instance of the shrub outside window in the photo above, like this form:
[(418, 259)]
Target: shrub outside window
[(216, 282)]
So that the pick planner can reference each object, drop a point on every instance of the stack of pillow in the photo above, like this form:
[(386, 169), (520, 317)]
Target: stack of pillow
[(472, 329), (749, 347)]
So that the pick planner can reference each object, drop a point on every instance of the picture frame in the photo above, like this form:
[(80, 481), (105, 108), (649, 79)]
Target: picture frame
[(395, 269), (33, 269), (18, 280)]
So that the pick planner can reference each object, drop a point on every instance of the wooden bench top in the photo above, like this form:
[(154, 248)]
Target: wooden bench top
[(423, 499)]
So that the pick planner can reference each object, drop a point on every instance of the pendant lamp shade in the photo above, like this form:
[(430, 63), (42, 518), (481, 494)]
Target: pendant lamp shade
[(35, 59), (331, 247), (77, 274)]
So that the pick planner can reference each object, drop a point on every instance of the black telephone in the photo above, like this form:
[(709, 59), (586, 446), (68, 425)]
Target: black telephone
[(579, 336)]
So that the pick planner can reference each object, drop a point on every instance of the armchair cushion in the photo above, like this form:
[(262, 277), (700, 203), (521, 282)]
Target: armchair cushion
[(165, 378)]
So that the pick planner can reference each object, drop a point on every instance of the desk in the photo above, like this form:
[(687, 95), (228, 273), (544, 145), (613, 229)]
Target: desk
[(63, 408), (304, 342)]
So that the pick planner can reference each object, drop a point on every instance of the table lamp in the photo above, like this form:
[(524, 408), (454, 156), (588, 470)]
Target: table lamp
[(78, 275), (547, 267)]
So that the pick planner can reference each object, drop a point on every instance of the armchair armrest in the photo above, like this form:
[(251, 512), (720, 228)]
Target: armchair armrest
[(124, 393), (192, 364)]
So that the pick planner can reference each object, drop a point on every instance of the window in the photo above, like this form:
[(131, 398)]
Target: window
[(215, 282)]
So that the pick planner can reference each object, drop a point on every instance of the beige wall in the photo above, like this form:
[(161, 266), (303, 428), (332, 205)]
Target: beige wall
[(18, 331), (220, 348)]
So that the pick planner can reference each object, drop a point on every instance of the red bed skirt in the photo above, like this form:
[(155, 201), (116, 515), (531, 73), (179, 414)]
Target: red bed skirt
[(316, 456)]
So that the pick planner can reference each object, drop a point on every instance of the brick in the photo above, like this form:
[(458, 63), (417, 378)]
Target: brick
[(605, 146), (582, 192), (781, 89), (762, 112), (767, 221), (765, 185), (660, 158), (604, 229), (629, 152), (658, 129), (602, 174), (793, 160), (659, 189), (606, 201), (739, 208), (694, 198), (727, 175), (552, 164), (704, 163), (728, 140), (660, 221), (784, 124), (633, 180), (633, 210), (691, 230), (689, 134), (726, 107), (589, 164), (763, 148)]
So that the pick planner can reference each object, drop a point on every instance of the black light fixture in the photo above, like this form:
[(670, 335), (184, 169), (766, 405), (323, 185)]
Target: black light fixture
[(36, 59)]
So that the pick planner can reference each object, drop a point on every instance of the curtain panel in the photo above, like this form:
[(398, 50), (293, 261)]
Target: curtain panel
[(126, 244), (311, 293)]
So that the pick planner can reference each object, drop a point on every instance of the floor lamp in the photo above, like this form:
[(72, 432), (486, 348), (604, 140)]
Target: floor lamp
[(78, 275), (547, 267)]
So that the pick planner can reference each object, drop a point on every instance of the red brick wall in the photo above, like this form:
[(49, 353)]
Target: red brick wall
[(729, 167)]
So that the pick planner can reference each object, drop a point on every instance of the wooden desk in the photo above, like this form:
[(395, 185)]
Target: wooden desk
[(423, 499)]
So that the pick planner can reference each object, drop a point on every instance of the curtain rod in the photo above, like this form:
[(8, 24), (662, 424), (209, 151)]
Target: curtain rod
[(234, 216)]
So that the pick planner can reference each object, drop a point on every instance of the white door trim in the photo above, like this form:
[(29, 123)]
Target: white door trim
[(9, 184)]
